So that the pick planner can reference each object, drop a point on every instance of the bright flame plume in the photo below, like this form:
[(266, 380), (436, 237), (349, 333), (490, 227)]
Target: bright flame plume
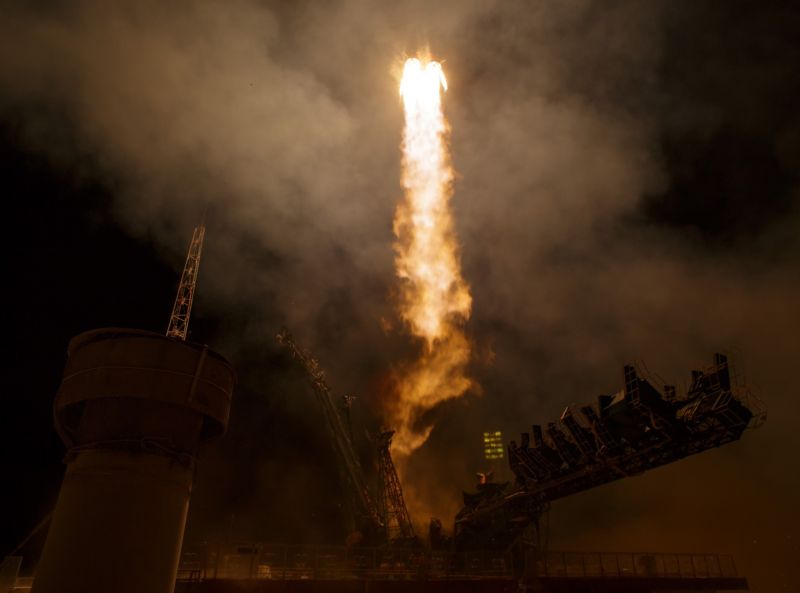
[(435, 302)]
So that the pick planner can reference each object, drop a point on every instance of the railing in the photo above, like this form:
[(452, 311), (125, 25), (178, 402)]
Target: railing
[(287, 562), (282, 562), (582, 564)]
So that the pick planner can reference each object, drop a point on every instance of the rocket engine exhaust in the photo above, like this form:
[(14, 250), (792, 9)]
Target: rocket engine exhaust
[(435, 301)]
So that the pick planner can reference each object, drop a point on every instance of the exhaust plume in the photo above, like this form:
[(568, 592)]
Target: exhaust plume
[(434, 301)]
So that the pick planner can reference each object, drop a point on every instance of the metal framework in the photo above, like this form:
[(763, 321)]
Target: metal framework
[(364, 516), (323, 568), (179, 320), (632, 431), (391, 505)]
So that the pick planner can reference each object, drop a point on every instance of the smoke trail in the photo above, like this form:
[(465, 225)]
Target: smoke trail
[(434, 298)]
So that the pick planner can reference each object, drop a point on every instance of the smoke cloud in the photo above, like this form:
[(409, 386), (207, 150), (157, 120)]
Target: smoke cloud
[(626, 189)]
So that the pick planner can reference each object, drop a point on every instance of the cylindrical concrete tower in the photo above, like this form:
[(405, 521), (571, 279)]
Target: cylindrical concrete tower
[(132, 409)]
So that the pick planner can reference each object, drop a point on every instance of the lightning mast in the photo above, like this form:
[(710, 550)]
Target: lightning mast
[(179, 320), (364, 514), (391, 504)]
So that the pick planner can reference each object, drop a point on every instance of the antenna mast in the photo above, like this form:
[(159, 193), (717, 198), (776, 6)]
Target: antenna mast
[(179, 321)]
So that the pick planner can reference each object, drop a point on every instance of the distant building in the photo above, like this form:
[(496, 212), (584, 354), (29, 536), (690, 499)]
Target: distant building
[(493, 445)]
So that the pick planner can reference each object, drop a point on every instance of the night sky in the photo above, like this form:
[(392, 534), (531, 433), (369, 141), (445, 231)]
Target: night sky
[(628, 188)]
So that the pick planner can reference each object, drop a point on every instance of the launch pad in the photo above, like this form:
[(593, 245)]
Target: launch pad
[(497, 542)]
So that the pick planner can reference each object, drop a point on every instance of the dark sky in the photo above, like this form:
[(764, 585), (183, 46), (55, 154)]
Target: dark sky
[(627, 189)]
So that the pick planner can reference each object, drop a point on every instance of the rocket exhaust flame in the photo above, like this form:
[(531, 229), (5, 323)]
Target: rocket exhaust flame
[(434, 298)]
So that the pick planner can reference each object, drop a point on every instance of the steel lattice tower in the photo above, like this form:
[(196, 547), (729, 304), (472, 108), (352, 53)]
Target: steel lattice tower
[(364, 514), (179, 320), (391, 503)]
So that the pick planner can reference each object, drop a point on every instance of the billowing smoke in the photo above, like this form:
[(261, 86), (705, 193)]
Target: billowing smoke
[(627, 188)]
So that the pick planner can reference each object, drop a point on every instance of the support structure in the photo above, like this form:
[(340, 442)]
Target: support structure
[(364, 517), (182, 309), (640, 427), (132, 409), (391, 505)]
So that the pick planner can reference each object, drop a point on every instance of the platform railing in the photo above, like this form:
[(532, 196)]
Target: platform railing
[(296, 562), (583, 564)]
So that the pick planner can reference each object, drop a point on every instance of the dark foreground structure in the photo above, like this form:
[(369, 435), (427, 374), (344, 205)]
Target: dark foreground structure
[(639, 428), (132, 410), (134, 406), (497, 544)]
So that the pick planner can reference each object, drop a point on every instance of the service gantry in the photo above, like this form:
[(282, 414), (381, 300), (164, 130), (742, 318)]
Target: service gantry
[(638, 428), (363, 515)]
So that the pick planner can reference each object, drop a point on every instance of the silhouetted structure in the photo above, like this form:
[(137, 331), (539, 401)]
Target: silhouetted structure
[(624, 434), (132, 409), (391, 505), (182, 309), (365, 522)]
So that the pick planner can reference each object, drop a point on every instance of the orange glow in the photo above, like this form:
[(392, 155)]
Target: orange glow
[(435, 301)]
